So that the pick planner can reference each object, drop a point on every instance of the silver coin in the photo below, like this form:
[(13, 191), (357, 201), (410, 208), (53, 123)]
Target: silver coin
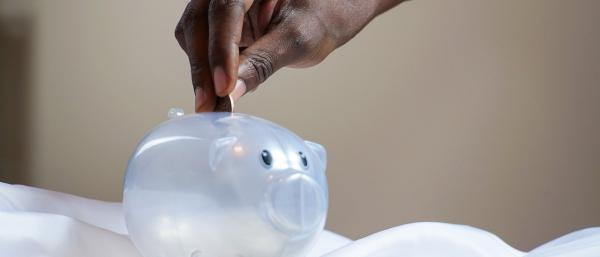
[(224, 104)]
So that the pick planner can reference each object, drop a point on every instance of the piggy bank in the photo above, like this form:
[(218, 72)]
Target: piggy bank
[(225, 185)]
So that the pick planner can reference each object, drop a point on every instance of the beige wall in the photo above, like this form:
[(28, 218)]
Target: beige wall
[(478, 112)]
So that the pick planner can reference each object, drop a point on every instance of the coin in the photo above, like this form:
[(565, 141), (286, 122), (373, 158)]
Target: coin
[(224, 104)]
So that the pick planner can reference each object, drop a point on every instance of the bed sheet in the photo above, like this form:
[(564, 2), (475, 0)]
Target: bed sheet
[(41, 223)]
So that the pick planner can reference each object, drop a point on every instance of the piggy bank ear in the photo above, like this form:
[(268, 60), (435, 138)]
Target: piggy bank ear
[(319, 150), (218, 149)]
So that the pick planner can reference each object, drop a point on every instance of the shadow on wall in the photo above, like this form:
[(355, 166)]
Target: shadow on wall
[(15, 42)]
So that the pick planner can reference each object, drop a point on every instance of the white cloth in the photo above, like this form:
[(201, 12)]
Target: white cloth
[(40, 223)]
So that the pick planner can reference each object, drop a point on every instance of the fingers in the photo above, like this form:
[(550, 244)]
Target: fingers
[(276, 49), (192, 35), (226, 20), (210, 32)]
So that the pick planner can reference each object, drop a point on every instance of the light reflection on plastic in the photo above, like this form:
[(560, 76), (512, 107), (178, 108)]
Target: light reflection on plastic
[(238, 149), (162, 140)]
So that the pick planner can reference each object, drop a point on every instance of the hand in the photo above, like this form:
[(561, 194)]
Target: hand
[(235, 45)]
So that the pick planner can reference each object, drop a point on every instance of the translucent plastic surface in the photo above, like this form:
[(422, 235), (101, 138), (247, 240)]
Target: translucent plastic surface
[(225, 185)]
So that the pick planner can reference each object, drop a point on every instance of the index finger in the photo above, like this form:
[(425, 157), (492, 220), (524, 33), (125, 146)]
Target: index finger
[(225, 22), (192, 35)]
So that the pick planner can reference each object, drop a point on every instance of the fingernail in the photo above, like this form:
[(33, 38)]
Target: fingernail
[(220, 81), (200, 97), (239, 90)]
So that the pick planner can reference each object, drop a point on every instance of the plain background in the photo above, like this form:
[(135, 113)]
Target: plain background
[(484, 113)]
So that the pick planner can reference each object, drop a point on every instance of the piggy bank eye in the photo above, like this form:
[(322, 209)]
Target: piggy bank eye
[(303, 159), (266, 158)]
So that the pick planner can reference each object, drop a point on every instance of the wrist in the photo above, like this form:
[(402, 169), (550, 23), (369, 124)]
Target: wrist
[(384, 5), (345, 18)]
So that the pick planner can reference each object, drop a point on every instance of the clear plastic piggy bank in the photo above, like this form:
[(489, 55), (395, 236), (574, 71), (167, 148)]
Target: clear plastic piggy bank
[(225, 185)]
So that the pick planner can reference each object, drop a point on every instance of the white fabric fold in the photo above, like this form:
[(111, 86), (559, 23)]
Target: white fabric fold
[(40, 223)]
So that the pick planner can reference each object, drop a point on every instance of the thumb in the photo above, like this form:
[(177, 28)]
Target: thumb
[(271, 52)]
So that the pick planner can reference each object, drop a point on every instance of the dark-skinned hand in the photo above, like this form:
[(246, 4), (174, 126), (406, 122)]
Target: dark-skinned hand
[(235, 45)]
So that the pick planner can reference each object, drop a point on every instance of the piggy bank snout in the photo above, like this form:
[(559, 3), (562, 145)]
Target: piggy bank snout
[(295, 203)]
